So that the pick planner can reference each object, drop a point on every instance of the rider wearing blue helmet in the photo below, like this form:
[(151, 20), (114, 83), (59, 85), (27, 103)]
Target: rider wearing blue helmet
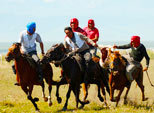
[(31, 27), (28, 46)]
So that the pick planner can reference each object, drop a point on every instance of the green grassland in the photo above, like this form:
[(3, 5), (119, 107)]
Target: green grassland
[(14, 100)]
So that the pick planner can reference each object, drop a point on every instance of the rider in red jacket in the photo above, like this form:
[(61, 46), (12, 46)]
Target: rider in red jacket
[(74, 23)]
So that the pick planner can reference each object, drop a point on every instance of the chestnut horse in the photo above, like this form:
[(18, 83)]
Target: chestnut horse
[(73, 73), (28, 75), (118, 79)]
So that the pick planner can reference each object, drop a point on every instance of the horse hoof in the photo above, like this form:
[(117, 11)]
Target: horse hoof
[(50, 104), (86, 101), (59, 100), (144, 99), (64, 109), (81, 106), (101, 99), (125, 102), (45, 99), (37, 110), (36, 99)]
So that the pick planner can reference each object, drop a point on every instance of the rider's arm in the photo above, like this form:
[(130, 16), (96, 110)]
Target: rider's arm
[(86, 39), (38, 39), (146, 56), (127, 46), (96, 35), (42, 48)]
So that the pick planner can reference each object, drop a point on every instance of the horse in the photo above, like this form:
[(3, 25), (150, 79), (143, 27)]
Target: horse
[(117, 77), (72, 72), (27, 74)]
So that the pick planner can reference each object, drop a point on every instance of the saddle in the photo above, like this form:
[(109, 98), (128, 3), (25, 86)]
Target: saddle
[(78, 59)]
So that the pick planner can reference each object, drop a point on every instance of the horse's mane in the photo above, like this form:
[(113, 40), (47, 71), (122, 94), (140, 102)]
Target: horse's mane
[(118, 55)]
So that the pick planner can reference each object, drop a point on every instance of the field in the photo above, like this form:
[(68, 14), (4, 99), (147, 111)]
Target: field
[(14, 100)]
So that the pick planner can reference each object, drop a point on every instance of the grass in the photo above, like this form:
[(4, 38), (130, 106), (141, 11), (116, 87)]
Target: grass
[(14, 100)]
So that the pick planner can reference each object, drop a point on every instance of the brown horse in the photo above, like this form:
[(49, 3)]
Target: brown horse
[(117, 78), (28, 75)]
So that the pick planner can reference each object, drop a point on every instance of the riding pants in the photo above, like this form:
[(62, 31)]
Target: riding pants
[(131, 66)]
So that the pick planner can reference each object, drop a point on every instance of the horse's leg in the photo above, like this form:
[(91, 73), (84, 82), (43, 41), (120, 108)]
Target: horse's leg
[(43, 93), (125, 97), (28, 93), (112, 93), (67, 97), (62, 82), (49, 97), (76, 93), (85, 91), (139, 81), (140, 84), (103, 92), (99, 94), (118, 97)]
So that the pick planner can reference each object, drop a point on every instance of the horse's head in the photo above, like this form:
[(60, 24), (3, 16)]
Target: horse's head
[(116, 62), (104, 53), (13, 52), (55, 53)]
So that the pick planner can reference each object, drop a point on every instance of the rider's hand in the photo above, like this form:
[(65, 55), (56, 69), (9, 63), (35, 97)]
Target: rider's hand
[(145, 69), (114, 46), (71, 53), (96, 45)]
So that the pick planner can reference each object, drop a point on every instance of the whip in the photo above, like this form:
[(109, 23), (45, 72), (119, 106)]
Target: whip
[(149, 79)]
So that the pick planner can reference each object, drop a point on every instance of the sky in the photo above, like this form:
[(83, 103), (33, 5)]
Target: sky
[(116, 20)]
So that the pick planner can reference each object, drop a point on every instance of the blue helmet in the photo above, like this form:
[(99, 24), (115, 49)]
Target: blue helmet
[(30, 27)]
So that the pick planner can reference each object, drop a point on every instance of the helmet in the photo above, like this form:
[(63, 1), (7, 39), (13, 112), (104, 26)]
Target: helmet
[(91, 21), (75, 21), (30, 27), (135, 40)]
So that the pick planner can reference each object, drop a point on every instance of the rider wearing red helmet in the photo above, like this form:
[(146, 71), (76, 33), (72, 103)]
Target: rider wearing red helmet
[(138, 52), (74, 23), (93, 34)]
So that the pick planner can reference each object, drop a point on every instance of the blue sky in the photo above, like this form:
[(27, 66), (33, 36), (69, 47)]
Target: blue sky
[(117, 20)]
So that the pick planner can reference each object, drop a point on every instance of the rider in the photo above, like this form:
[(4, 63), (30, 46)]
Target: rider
[(74, 23), (28, 46), (138, 52), (93, 34), (76, 43)]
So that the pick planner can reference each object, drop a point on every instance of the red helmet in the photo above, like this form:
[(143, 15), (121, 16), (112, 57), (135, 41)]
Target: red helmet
[(91, 21), (75, 21), (135, 40)]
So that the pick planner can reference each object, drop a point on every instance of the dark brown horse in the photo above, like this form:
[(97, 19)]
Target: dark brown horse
[(28, 75), (118, 79), (73, 73)]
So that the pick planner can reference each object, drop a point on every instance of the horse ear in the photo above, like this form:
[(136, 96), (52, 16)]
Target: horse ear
[(19, 44), (61, 45)]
